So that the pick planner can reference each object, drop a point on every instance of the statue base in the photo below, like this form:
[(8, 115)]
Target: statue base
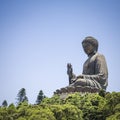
[(71, 89)]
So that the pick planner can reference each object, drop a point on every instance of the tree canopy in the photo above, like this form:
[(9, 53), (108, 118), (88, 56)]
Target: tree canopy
[(75, 106), (40, 97), (21, 96), (5, 104)]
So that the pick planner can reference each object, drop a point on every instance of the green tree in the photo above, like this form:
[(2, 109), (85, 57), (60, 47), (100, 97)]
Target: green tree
[(102, 93), (21, 118), (92, 107), (3, 113), (53, 100), (74, 99), (22, 110), (116, 116), (21, 96), (11, 109), (66, 112), (42, 114), (112, 107), (4, 103), (40, 97), (74, 107)]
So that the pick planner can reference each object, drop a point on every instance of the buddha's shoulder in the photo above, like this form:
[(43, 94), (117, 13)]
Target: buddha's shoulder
[(99, 56)]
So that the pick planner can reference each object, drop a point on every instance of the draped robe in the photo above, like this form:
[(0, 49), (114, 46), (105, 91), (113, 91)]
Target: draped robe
[(95, 73)]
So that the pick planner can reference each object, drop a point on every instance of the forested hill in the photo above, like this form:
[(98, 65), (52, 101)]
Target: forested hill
[(102, 106)]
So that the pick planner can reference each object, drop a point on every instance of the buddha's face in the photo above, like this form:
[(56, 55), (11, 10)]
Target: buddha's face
[(88, 48)]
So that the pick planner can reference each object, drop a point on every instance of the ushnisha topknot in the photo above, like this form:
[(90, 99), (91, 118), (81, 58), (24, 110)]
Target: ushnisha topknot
[(92, 41)]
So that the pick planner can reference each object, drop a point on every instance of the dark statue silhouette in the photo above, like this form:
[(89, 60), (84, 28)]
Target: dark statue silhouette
[(95, 73)]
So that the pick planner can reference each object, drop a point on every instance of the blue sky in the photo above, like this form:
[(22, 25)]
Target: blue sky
[(39, 37)]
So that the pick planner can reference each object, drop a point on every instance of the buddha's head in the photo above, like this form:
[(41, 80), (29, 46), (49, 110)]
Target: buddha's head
[(90, 45)]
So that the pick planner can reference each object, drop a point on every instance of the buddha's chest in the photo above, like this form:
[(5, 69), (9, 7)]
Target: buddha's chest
[(89, 66)]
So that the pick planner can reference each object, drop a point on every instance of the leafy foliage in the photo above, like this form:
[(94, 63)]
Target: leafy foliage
[(75, 107), (5, 104), (21, 96), (40, 97)]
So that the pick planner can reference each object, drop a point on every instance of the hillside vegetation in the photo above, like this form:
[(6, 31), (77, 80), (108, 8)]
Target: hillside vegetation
[(102, 106)]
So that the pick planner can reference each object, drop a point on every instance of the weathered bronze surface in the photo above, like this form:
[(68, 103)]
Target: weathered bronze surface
[(95, 73)]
